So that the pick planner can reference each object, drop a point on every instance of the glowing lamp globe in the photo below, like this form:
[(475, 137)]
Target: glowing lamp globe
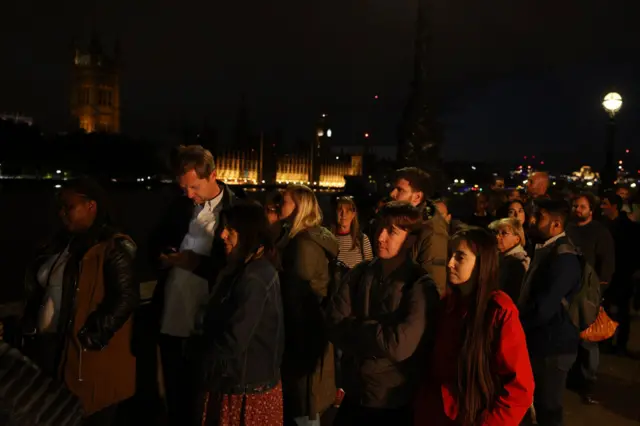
[(612, 103)]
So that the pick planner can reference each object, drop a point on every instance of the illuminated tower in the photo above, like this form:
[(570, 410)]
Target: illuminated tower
[(95, 90), (321, 147)]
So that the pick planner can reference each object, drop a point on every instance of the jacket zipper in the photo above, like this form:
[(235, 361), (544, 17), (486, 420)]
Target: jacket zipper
[(72, 322)]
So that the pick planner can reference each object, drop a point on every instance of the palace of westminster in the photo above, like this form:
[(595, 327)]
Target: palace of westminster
[(95, 107)]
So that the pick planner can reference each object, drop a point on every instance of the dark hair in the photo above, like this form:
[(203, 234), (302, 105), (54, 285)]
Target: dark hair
[(477, 388), (614, 199), (91, 190), (401, 214), (508, 204), (590, 199), (193, 157), (418, 179), (274, 203), (557, 208), (248, 219)]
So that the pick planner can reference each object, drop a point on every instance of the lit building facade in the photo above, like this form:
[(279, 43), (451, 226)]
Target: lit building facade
[(95, 89), (245, 168)]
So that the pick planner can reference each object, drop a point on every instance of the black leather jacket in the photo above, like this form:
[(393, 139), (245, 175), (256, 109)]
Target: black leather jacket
[(243, 330), (121, 298)]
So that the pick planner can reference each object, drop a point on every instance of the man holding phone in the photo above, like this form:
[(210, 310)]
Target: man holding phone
[(190, 255)]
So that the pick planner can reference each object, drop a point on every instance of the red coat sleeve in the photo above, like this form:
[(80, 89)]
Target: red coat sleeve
[(514, 368)]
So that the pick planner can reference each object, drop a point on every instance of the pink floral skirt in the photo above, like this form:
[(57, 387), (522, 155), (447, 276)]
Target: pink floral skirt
[(258, 409)]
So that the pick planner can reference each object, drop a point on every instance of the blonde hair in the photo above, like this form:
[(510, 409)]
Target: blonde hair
[(513, 224), (307, 213)]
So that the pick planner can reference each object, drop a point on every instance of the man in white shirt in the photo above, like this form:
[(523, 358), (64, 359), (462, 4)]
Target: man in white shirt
[(189, 266)]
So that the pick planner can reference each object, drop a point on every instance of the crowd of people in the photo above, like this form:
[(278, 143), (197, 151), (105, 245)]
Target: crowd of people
[(264, 316)]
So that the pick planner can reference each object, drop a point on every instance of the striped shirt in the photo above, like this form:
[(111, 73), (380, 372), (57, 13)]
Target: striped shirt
[(352, 256)]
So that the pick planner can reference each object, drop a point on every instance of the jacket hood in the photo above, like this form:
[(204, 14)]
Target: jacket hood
[(325, 239)]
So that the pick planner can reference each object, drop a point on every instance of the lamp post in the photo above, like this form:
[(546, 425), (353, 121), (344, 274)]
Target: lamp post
[(611, 103)]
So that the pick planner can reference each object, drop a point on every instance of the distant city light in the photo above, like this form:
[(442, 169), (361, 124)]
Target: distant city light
[(329, 132), (627, 151), (542, 163), (58, 171), (320, 133), (455, 181), (324, 115), (366, 135), (337, 157), (375, 97), (620, 162), (473, 167), (633, 185), (589, 183), (58, 186), (461, 180)]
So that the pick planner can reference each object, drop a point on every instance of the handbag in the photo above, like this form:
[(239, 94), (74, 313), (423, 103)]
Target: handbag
[(602, 328)]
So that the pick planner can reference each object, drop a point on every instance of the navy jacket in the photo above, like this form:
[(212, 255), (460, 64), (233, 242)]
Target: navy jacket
[(551, 277)]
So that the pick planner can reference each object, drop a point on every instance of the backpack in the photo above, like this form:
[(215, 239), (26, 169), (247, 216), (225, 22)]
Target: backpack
[(584, 307)]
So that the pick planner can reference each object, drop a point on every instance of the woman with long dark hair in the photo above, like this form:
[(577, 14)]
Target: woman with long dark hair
[(479, 372), (242, 326)]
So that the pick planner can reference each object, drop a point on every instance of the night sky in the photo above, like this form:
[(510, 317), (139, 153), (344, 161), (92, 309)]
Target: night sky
[(510, 77)]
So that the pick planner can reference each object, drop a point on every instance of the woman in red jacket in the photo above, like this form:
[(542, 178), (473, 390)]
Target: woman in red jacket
[(479, 372)]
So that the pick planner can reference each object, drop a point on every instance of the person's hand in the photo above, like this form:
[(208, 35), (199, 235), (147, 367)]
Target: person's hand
[(187, 260)]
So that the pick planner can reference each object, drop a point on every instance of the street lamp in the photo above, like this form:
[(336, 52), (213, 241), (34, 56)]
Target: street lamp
[(612, 102)]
